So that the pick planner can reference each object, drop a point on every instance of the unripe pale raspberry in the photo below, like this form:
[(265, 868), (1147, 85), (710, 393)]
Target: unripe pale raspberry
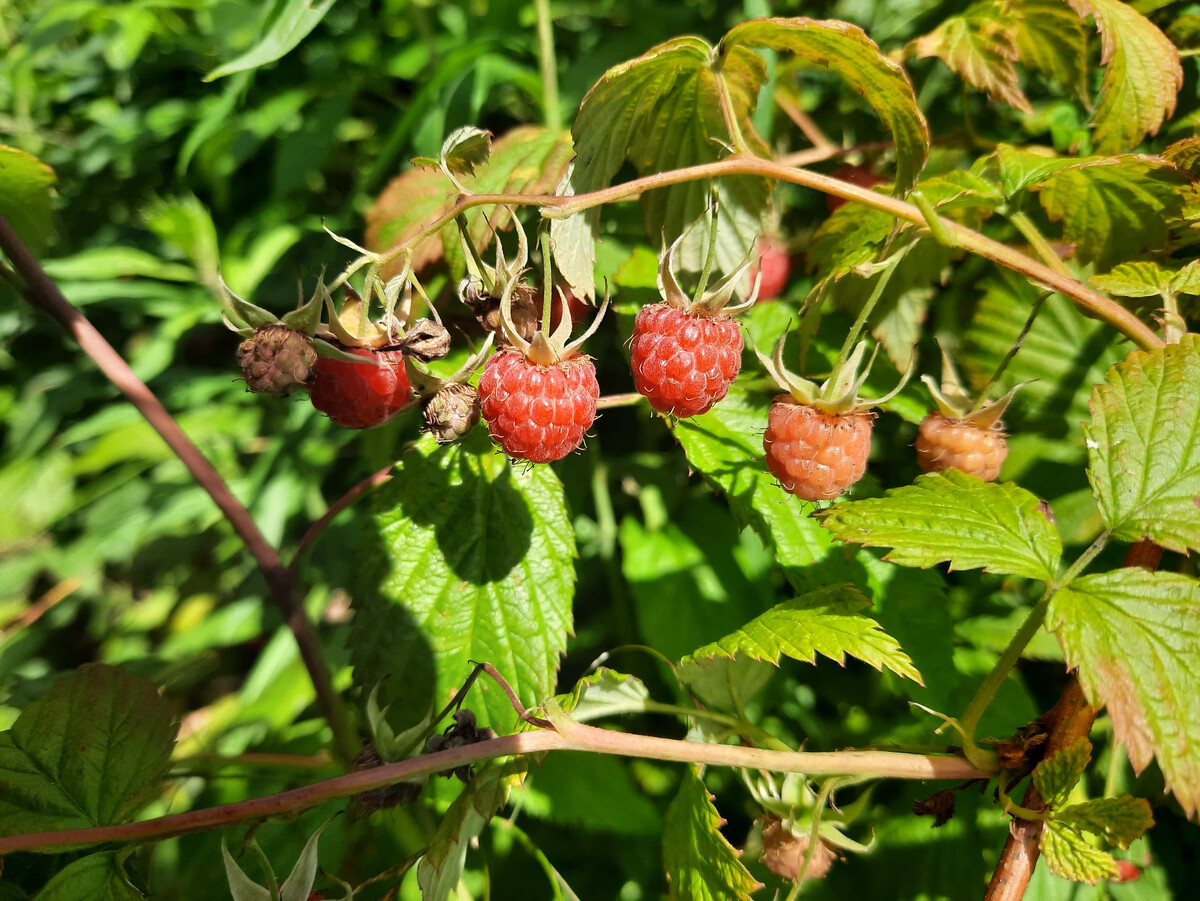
[(944, 443), (358, 395), (683, 363), (277, 360), (816, 456), (538, 413), (783, 852)]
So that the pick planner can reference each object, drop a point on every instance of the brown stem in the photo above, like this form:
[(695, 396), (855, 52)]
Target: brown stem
[(41, 292), (1070, 719), (314, 531)]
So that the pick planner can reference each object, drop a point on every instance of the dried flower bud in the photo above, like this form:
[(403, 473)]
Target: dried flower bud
[(277, 360), (783, 852), (426, 340), (451, 412), (525, 312), (463, 732), (380, 798)]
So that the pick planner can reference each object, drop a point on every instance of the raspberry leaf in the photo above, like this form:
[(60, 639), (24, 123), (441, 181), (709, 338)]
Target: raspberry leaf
[(465, 558), (700, 863), (1142, 75), (98, 876), (827, 621), (1134, 636), (85, 753), (1069, 853), (1052, 39), (955, 518), (604, 693), (1114, 209), (1142, 278), (466, 149), (1185, 154), (1143, 446), (25, 184), (845, 50), (1056, 776), (1022, 167)]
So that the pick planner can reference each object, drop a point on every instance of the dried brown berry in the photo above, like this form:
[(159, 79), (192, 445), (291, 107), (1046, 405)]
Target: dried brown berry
[(380, 798), (526, 315), (277, 360), (426, 340), (451, 412), (783, 852)]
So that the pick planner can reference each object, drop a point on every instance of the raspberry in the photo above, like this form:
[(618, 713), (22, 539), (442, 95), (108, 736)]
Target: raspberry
[(776, 265), (538, 412), (947, 443), (816, 456), (856, 175), (1127, 871), (783, 852), (277, 360), (683, 363), (358, 395)]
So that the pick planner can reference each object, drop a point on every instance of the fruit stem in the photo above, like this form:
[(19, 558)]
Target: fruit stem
[(473, 257), (711, 256), (1022, 223), (856, 329), (551, 110), (547, 279), (265, 864), (1012, 351)]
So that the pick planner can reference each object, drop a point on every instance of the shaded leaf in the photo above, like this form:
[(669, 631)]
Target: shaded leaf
[(1134, 636), (290, 25), (724, 683), (1052, 39), (1143, 446), (25, 195), (470, 559), (466, 148), (85, 753), (827, 621), (700, 863), (96, 877), (593, 793), (1142, 75), (956, 518), (439, 871)]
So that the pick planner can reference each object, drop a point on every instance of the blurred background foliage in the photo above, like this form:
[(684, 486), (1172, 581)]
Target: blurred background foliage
[(108, 550)]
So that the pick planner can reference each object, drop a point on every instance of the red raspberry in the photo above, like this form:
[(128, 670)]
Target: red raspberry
[(945, 443), (538, 413), (1127, 871), (358, 395), (816, 456), (683, 363), (776, 264), (856, 175)]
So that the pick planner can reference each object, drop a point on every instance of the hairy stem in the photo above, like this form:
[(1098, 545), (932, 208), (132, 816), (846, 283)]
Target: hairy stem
[(41, 292), (1038, 242)]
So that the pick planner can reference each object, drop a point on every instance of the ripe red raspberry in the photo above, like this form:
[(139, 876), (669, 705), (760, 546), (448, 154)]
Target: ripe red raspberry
[(1127, 871), (538, 413), (775, 264), (358, 395), (683, 363), (816, 456), (856, 175), (946, 443)]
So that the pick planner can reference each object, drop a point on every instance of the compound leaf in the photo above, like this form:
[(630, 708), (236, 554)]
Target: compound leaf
[(700, 863), (827, 621), (1144, 446), (1134, 636), (956, 518)]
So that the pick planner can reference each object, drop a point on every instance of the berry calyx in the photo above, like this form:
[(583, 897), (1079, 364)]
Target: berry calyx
[(277, 360), (684, 363), (361, 395)]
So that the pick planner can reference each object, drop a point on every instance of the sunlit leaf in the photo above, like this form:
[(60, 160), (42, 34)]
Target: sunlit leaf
[(290, 25), (1069, 853), (1056, 775), (26, 194), (701, 865), (1052, 39)]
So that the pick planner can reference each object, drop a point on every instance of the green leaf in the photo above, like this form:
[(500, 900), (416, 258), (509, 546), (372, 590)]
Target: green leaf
[(1119, 821), (439, 871), (700, 863), (604, 693), (724, 683), (98, 263), (299, 883), (466, 558), (1068, 851), (1070, 854), (466, 149), (185, 223), (1142, 75), (1185, 154), (1143, 447), (1052, 39), (1134, 636), (955, 518), (849, 237), (827, 621), (845, 50), (1142, 278), (1056, 776), (289, 26), (980, 46), (25, 195), (96, 877), (1184, 32), (1114, 209), (1022, 167), (85, 753)]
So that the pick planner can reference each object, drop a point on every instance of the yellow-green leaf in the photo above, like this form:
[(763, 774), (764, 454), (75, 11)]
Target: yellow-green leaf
[(25, 195), (1055, 776), (700, 863), (1052, 39)]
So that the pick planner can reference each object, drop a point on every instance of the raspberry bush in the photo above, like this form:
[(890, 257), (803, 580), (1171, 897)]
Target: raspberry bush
[(885, 587)]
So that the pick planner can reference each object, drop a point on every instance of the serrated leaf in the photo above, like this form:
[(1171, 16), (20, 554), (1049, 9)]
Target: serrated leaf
[(1143, 446), (1134, 636), (1114, 209), (439, 871), (1052, 39), (827, 621), (604, 693), (528, 159), (1141, 278), (1070, 854), (469, 559), (1184, 154), (1119, 821), (700, 863), (96, 877), (465, 149), (846, 50), (724, 683), (955, 518), (26, 184), (1142, 75), (980, 46), (290, 25), (1056, 776), (85, 753), (1022, 167)]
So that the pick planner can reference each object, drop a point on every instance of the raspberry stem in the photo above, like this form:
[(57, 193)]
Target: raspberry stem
[(892, 264)]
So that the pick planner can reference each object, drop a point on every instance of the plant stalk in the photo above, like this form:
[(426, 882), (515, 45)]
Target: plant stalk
[(551, 110)]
